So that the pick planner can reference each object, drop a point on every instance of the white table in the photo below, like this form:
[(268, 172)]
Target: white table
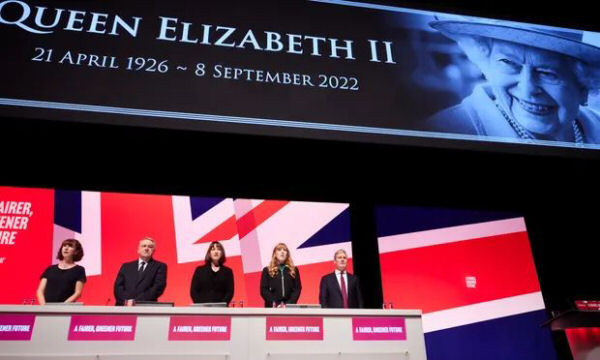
[(49, 338)]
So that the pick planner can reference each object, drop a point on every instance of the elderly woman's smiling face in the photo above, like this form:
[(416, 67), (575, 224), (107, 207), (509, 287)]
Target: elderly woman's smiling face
[(539, 87)]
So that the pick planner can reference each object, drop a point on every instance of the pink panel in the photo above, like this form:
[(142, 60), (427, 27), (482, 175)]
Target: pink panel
[(102, 327), (200, 328), (294, 328), (16, 327), (378, 328)]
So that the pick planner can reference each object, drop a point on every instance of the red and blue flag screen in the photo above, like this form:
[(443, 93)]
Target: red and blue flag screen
[(110, 225)]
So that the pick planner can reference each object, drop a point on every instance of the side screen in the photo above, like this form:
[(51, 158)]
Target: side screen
[(473, 275)]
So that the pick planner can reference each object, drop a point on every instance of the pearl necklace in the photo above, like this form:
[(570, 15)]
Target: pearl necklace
[(525, 134)]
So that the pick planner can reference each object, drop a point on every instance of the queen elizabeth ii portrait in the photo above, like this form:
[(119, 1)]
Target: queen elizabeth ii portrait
[(537, 83)]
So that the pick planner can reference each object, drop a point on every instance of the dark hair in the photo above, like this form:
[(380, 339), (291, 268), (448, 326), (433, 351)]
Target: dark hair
[(222, 259), (74, 243)]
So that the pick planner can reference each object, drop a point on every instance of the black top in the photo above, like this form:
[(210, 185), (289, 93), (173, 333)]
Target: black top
[(60, 283), (274, 289), (210, 286)]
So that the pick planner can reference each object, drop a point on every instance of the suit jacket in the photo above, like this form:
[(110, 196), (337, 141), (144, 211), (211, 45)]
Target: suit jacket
[(147, 286), (330, 294)]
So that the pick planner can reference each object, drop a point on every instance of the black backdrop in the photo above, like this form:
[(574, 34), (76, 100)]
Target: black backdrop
[(557, 194)]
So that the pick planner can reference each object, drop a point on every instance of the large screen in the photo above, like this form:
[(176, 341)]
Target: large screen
[(473, 275), (34, 222), (322, 69)]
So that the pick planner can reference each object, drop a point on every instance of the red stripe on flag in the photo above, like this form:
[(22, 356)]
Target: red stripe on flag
[(258, 215), (225, 231), (127, 218), (467, 272)]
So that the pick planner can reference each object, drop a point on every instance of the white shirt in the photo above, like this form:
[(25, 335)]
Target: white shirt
[(337, 277), (140, 261)]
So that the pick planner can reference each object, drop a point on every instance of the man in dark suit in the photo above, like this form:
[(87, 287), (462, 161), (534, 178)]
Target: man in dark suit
[(340, 289), (143, 279)]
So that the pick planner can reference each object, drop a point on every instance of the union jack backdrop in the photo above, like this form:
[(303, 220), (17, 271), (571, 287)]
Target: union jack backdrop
[(473, 275), (110, 225)]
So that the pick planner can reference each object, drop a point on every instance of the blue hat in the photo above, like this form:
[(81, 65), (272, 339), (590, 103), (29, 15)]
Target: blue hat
[(578, 44)]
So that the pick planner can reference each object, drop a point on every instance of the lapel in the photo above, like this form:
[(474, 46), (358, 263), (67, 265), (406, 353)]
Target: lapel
[(349, 284), (149, 267), (336, 284)]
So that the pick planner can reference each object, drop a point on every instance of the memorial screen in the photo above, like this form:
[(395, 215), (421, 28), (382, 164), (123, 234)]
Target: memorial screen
[(319, 69)]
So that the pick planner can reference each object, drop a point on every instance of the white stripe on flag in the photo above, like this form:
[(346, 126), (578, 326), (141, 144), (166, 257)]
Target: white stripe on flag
[(244, 206), (450, 234), (293, 225), (489, 310), (90, 237), (188, 230)]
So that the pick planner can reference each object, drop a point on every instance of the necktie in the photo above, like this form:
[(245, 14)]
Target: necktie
[(344, 294), (142, 267)]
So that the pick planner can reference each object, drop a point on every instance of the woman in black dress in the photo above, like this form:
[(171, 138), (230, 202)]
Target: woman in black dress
[(213, 281), (280, 281), (64, 281)]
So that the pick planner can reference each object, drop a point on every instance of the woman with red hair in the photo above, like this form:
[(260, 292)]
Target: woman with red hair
[(280, 280)]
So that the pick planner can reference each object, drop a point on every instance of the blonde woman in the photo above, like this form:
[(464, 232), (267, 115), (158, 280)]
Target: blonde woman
[(280, 280)]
